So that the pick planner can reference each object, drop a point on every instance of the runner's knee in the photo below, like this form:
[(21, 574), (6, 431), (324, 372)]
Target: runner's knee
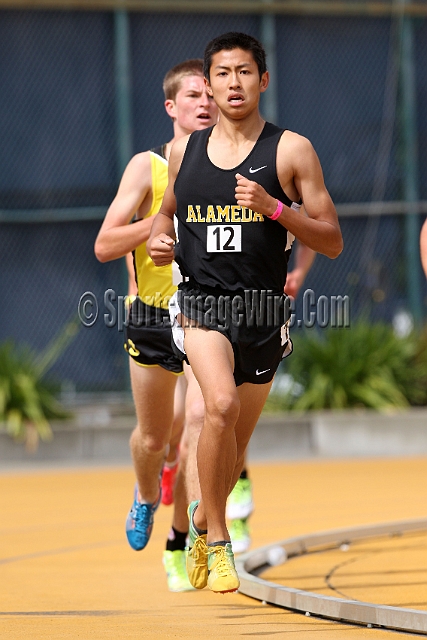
[(152, 442), (223, 409), (195, 416)]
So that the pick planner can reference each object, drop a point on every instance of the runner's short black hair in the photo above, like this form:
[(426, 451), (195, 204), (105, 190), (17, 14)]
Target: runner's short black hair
[(234, 40)]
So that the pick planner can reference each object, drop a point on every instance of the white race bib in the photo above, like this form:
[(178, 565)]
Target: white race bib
[(223, 238)]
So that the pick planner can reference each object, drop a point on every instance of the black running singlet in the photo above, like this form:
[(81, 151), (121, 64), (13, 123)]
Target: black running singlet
[(222, 245)]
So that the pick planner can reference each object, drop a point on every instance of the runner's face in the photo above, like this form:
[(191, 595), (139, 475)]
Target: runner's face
[(193, 108), (235, 83)]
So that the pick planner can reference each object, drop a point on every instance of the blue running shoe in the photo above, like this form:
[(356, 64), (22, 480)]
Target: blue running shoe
[(139, 523)]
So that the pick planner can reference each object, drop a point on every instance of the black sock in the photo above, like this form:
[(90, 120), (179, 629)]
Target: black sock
[(244, 474), (176, 540), (220, 543)]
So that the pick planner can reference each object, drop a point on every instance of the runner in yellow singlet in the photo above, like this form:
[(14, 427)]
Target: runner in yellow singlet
[(154, 368)]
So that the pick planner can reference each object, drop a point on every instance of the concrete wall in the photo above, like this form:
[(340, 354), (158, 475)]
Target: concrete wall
[(99, 433)]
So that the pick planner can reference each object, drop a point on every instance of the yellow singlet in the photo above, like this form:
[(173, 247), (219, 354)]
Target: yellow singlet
[(155, 284)]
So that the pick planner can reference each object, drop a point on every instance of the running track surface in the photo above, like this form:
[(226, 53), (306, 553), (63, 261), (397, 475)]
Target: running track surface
[(66, 570)]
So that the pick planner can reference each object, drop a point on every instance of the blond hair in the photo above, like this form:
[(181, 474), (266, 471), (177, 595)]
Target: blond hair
[(173, 78)]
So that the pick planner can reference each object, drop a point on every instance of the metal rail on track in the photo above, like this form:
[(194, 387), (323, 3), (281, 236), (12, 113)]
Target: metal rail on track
[(251, 564)]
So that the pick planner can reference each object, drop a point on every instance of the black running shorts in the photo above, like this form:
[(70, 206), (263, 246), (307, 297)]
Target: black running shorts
[(148, 337), (255, 323)]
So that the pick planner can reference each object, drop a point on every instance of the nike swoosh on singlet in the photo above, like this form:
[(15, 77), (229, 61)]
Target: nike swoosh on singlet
[(255, 170), (258, 373)]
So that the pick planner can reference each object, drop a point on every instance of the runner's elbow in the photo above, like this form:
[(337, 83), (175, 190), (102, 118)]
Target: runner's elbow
[(335, 248), (101, 252)]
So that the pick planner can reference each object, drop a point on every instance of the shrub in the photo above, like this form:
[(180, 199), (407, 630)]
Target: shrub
[(27, 398), (365, 365)]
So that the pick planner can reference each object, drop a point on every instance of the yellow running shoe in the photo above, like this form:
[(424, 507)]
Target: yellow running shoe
[(197, 553), (222, 577)]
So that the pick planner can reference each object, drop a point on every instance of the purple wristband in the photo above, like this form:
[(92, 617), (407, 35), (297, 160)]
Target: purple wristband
[(278, 211)]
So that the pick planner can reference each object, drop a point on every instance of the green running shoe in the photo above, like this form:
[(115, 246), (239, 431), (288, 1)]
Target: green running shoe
[(174, 564), (240, 503), (240, 535)]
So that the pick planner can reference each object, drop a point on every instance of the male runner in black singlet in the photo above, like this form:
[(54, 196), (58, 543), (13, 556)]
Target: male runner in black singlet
[(236, 189)]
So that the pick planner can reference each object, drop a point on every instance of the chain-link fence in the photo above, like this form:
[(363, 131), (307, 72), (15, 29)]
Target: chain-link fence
[(342, 81)]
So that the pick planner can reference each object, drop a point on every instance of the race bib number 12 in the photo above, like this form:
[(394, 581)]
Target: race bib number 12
[(224, 238)]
